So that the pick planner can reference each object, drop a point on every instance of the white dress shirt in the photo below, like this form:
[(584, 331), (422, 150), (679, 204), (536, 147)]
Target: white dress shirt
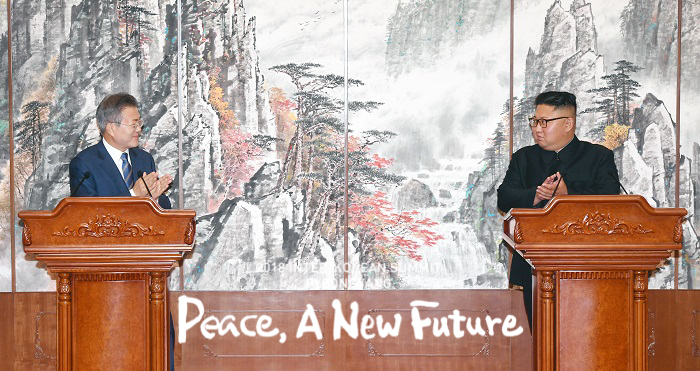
[(116, 156)]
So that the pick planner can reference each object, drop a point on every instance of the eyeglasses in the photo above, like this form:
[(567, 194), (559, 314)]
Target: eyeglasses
[(542, 122), (136, 126)]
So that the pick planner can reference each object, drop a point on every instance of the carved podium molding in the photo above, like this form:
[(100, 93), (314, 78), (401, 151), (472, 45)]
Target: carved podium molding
[(597, 223), (678, 231), (611, 275), (26, 235), (518, 234), (189, 233), (108, 226)]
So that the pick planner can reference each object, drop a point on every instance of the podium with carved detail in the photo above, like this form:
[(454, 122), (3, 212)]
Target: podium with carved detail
[(591, 257), (111, 257)]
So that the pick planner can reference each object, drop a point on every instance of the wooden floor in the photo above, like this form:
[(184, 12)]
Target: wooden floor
[(27, 332)]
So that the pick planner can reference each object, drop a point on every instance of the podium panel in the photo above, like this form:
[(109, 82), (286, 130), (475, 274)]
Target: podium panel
[(112, 315), (597, 307)]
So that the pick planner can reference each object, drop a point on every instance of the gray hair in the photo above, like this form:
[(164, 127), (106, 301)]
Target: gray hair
[(110, 109)]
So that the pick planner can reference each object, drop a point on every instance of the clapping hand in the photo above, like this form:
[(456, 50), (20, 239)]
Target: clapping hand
[(547, 189), (157, 185)]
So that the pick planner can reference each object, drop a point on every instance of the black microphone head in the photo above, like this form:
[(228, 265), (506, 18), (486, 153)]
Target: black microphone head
[(85, 176), (139, 174)]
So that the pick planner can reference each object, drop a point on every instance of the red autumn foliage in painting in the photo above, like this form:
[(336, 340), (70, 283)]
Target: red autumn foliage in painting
[(237, 149), (283, 108), (390, 233), (379, 161), (387, 232)]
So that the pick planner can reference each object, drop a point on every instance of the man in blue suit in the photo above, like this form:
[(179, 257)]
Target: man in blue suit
[(115, 162), (112, 166)]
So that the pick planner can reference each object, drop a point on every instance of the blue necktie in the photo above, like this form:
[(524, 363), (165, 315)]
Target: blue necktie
[(126, 171)]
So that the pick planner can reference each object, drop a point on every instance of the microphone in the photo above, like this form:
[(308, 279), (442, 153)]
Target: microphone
[(544, 203), (561, 176), (85, 176), (617, 180), (140, 175)]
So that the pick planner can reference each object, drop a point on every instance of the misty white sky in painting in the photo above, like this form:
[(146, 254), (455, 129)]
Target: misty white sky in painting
[(298, 31), (448, 110), (445, 111)]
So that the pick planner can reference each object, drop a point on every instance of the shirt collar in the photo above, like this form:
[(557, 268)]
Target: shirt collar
[(565, 154), (116, 154), (560, 149)]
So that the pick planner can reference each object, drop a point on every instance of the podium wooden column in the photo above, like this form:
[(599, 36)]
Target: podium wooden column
[(592, 256), (111, 257)]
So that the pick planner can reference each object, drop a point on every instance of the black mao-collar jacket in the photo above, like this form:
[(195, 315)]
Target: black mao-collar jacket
[(586, 168)]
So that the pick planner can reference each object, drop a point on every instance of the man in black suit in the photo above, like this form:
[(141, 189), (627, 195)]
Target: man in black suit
[(115, 162), (558, 164)]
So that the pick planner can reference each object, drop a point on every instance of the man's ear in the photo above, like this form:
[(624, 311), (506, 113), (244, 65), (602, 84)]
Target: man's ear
[(99, 130), (109, 129), (570, 124)]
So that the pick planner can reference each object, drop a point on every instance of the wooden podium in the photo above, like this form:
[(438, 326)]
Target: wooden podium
[(592, 256), (111, 257)]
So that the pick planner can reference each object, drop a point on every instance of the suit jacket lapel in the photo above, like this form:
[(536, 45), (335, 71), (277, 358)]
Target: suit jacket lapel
[(111, 169), (136, 164)]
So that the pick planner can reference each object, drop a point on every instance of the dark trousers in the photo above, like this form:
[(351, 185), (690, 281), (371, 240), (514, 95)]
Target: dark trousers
[(521, 275)]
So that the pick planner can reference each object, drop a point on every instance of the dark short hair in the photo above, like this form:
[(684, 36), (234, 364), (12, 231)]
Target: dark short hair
[(557, 99), (110, 109)]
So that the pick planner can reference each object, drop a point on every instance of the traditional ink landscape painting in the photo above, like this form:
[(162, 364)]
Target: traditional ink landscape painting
[(261, 110)]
